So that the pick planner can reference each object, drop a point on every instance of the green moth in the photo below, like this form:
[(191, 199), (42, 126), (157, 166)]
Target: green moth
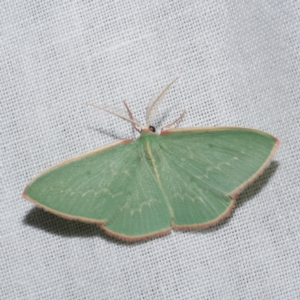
[(182, 178)]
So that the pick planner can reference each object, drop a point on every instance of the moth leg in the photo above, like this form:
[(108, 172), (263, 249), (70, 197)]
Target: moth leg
[(131, 116), (173, 123)]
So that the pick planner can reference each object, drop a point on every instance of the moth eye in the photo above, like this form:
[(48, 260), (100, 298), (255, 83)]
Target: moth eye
[(151, 128)]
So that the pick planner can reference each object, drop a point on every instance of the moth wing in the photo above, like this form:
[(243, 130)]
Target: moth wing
[(202, 170), (113, 186)]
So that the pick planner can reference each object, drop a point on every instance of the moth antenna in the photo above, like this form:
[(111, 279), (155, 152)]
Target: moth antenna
[(152, 105), (131, 116), (117, 115), (173, 123)]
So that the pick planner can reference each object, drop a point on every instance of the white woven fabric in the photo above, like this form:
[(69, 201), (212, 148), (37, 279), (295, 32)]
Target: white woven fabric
[(238, 64)]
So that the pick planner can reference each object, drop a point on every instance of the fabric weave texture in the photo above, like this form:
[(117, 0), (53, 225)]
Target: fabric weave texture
[(238, 65)]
